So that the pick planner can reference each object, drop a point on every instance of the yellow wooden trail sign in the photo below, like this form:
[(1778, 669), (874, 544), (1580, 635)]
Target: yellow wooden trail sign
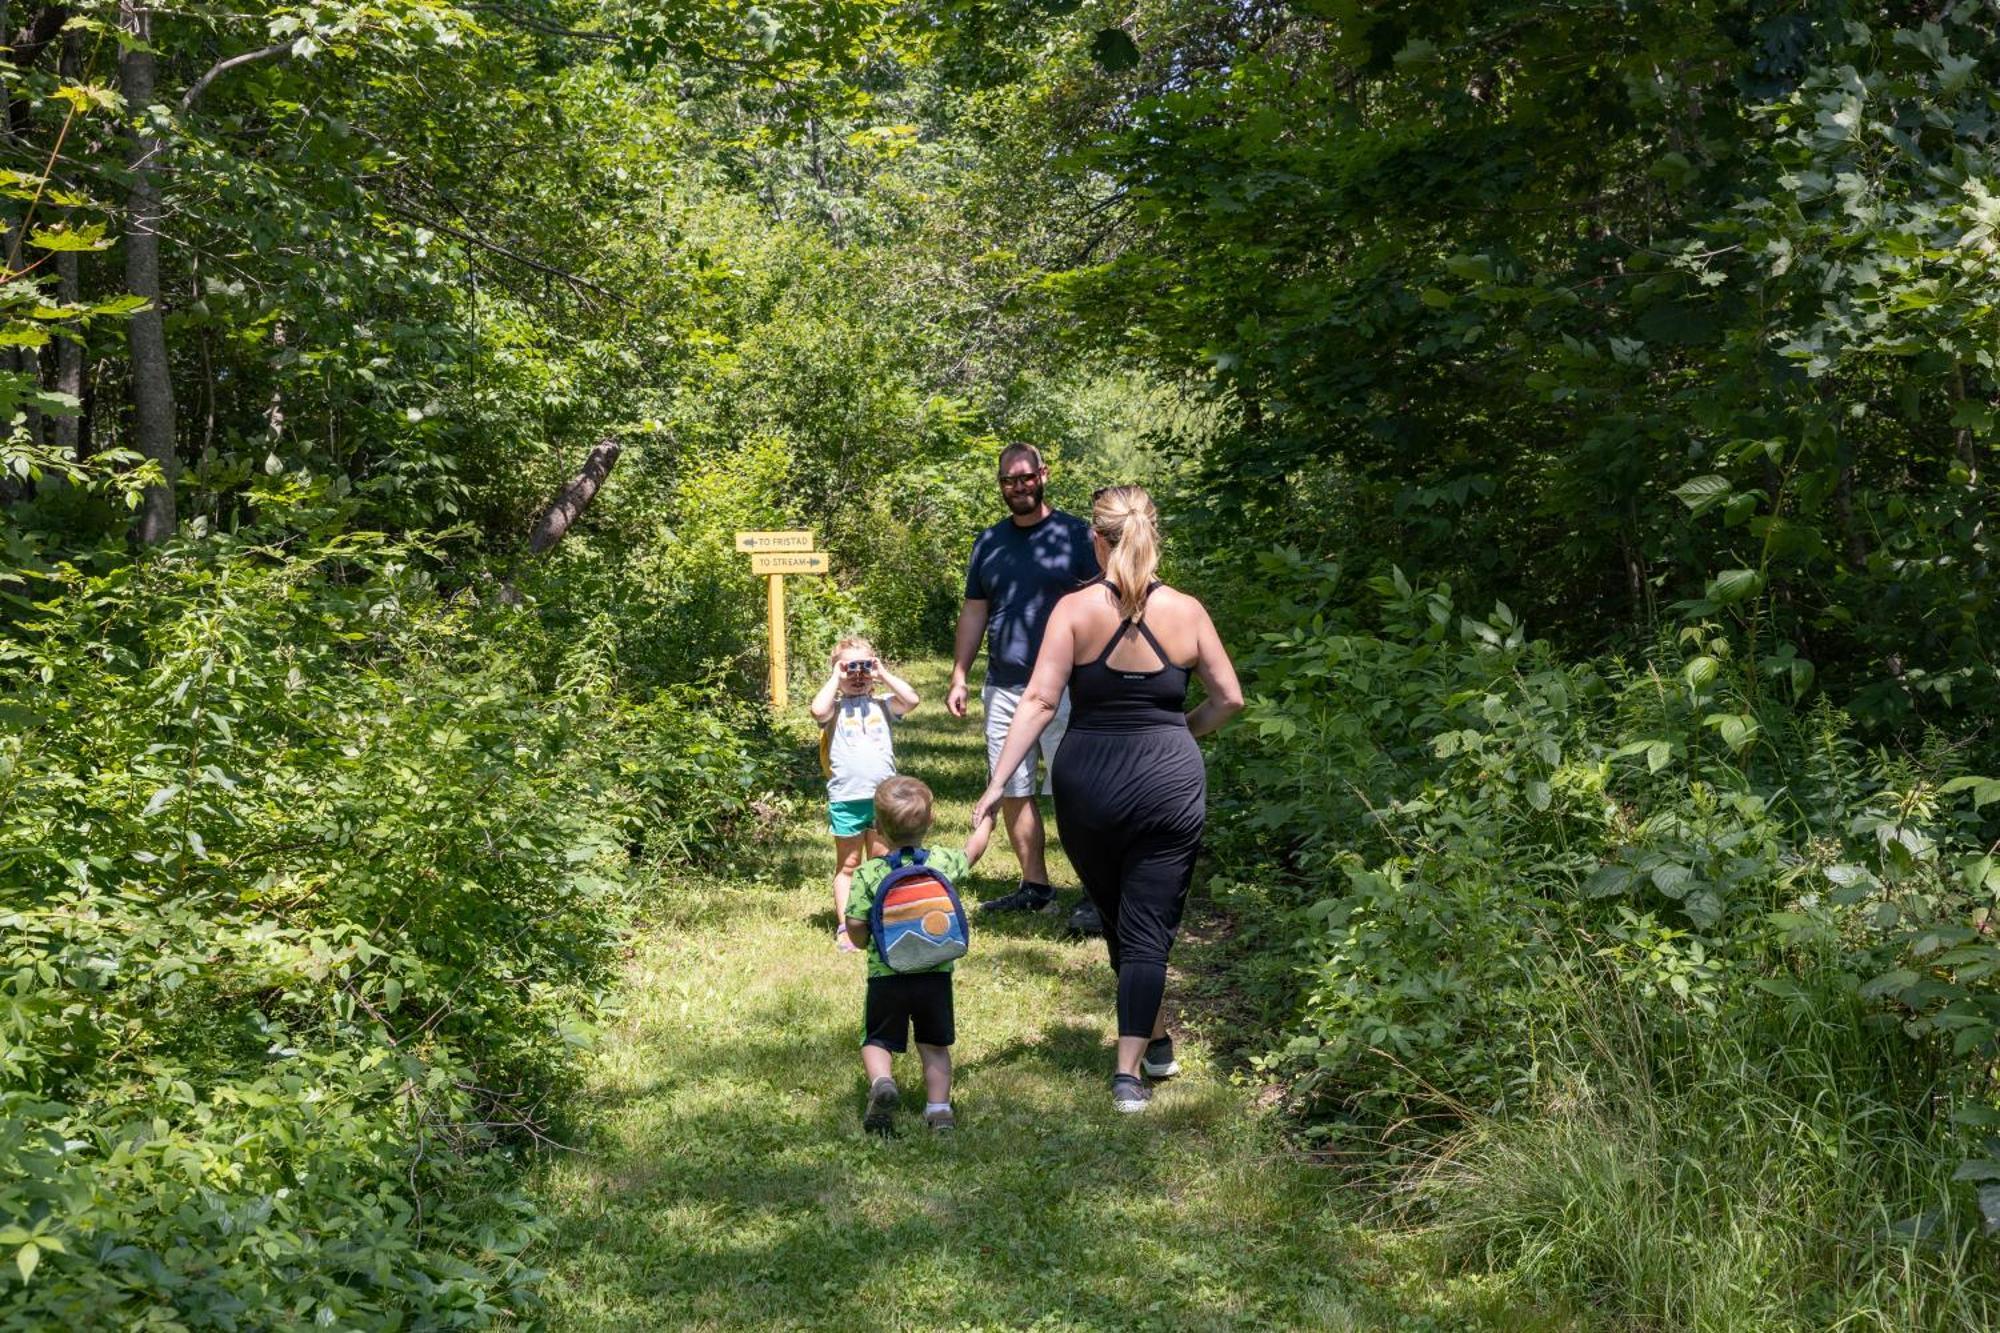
[(774, 555), (774, 541), (790, 562)]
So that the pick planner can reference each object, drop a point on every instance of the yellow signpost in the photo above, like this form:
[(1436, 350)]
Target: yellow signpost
[(774, 541), (790, 562), (774, 555)]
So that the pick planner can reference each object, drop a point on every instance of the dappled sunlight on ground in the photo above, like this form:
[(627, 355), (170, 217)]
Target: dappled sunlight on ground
[(729, 1185)]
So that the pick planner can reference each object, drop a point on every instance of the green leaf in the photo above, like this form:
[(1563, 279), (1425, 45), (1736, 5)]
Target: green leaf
[(1701, 673), (1114, 50), (1734, 585), (1984, 790), (1889, 983), (1672, 880), (26, 1259), (1989, 1208), (89, 236), (1538, 794), (1701, 494), (1607, 880)]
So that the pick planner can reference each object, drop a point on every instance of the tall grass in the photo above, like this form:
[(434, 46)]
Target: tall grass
[(1777, 1167)]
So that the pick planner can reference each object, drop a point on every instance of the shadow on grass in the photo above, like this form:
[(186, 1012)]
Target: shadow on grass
[(759, 1190)]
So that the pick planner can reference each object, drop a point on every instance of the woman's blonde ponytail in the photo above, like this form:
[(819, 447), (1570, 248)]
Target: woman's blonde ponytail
[(1125, 517)]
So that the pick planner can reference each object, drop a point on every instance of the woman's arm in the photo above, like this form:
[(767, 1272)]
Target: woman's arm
[(823, 703), (1218, 679), (1038, 703), (902, 699)]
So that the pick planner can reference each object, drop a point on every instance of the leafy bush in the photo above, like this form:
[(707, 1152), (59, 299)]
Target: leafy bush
[(1452, 854), (314, 882)]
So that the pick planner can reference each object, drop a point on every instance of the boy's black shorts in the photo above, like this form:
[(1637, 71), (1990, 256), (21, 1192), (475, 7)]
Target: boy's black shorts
[(896, 1004)]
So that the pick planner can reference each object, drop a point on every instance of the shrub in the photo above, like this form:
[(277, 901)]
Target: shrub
[(314, 882), (1452, 853)]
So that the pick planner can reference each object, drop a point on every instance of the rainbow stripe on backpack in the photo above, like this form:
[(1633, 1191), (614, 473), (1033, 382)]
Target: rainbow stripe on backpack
[(916, 921)]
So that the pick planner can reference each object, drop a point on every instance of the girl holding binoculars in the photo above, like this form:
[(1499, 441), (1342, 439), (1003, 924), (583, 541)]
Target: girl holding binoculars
[(856, 709)]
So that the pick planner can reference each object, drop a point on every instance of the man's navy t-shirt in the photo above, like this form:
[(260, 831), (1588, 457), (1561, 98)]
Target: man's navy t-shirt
[(1019, 573)]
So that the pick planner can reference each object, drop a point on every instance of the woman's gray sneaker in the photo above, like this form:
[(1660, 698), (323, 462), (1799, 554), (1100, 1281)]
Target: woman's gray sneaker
[(1159, 1060), (1128, 1094), (880, 1118)]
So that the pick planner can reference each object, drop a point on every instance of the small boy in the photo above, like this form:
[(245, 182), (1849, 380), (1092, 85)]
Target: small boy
[(859, 748), (900, 1001)]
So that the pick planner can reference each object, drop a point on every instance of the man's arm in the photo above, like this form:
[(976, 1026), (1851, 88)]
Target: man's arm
[(971, 629)]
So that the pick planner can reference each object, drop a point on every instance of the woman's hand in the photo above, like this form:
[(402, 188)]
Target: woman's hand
[(988, 802)]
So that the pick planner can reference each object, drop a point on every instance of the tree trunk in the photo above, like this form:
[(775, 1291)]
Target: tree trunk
[(152, 388), (575, 497), (67, 430)]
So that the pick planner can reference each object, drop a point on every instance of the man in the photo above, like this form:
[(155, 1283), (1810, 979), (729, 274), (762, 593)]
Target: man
[(1019, 567)]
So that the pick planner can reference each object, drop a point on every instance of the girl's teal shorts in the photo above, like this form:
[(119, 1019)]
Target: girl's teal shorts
[(847, 818)]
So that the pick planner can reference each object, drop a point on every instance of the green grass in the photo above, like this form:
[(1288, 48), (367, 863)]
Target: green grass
[(725, 1182)]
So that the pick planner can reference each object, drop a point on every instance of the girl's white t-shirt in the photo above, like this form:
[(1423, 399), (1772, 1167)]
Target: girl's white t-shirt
[(861, 748)]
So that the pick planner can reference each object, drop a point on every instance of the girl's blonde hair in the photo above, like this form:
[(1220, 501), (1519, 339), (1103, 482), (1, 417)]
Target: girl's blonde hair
[(1125, 517), (846, 642)]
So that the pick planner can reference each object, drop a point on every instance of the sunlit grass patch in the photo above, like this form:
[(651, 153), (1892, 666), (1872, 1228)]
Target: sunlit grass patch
[(729, 1185)]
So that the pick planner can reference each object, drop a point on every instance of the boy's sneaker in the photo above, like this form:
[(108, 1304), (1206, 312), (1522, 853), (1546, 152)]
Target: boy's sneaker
[(1027, 898), (1159, 1059), (941, 1121), (880, 1118), (1128, 1094), (1086, 920)]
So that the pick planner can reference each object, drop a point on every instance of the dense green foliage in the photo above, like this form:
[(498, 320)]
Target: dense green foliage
[(1666, 329), (1602, 309), (1670, 330)]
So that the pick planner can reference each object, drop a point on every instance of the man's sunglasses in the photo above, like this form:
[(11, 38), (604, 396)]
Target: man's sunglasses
[(860, 667), (1014, 481)]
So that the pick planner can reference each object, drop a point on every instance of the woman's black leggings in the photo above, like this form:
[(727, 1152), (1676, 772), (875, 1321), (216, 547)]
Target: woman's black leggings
[(1139, 878)]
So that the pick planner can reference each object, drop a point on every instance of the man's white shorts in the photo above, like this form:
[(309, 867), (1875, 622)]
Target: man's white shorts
[(1000, 706)]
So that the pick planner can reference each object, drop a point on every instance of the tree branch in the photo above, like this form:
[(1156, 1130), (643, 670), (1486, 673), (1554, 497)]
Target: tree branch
[(200, 85), (503, 251), (581, 490)]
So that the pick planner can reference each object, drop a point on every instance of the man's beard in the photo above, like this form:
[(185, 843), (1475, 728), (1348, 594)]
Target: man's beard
[(1025, 504)]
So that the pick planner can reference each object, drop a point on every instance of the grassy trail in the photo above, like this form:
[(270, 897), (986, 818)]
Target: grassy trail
[(726, 1182)]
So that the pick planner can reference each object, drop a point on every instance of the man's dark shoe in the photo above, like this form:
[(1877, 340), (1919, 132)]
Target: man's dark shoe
[(880, 1118), (1129, 1095), (1085, 920), (1159, 1060), (1027, 898)]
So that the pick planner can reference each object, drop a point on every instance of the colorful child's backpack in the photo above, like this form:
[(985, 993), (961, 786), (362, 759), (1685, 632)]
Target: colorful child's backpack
[(916, 920)]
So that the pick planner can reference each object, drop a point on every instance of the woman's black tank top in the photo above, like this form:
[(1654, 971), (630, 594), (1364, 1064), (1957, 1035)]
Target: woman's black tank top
[(1104, 698)]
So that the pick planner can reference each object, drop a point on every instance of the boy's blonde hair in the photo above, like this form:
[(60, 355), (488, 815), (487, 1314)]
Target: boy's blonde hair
[(846, 642), (903, 811)]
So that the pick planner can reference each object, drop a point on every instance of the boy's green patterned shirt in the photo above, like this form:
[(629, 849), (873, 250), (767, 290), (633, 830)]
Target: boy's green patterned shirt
[(861, 897)]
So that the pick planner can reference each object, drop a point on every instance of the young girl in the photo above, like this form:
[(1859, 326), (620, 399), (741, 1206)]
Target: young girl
[(860, 750)]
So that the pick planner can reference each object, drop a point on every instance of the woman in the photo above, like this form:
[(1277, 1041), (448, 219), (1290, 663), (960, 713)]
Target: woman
[(1130, 790)]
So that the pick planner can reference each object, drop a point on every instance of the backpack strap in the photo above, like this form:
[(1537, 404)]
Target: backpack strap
[(918, 856)]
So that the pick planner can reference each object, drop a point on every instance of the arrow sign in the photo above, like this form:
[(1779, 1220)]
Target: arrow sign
[(774, 541), (802, 562)]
